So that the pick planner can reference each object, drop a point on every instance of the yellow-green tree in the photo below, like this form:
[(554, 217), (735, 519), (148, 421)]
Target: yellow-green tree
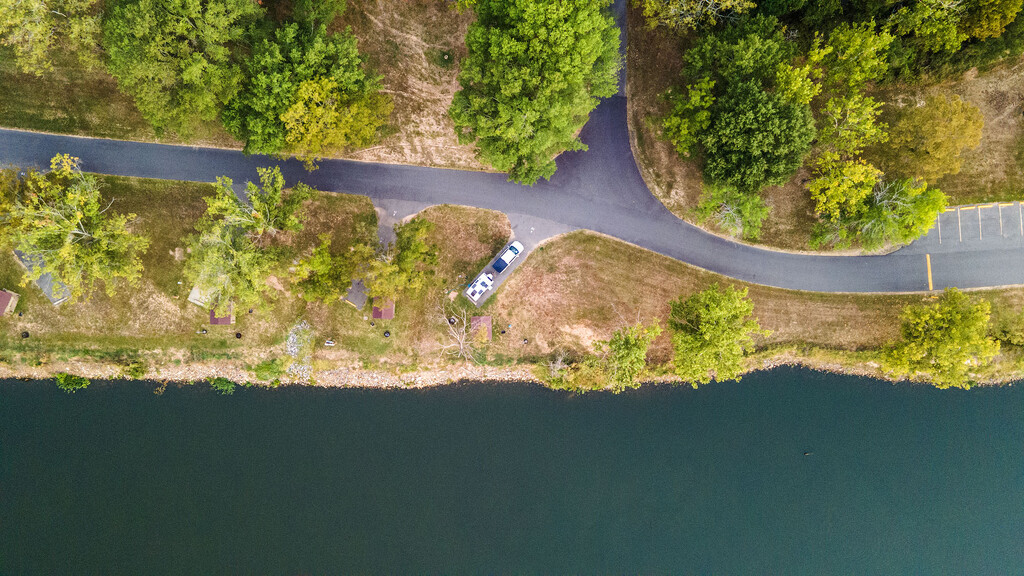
[(943, 342), (712, 331), (39, 29), (58, 219), (927, 141), (691, 14)]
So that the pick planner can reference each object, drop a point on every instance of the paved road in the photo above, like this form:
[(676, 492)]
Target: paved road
[(599, 189)]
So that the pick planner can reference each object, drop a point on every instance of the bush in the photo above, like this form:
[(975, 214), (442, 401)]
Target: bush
[(223, 386), (71, 383), (271, 369)]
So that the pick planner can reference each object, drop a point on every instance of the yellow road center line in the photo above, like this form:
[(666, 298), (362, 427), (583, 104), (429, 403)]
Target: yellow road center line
[(950, 209), (928, 259), (968, 207), (1005, 204)]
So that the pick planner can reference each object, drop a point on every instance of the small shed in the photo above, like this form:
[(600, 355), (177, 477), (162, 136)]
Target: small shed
[(8, 301), (385, 311), (480, 327), (54, 290), (222, 320), (356, 294)]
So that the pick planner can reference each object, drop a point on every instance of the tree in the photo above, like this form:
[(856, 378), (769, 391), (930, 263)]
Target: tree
[(944, 340), (226, 265), (268, 210), (988, 18), (690, 14), (175, 56), (39, 29), (321, 71), (757, 138), (407, 265), (58, 220), (933, 24), (855, 56), (626, 354), (738, 213), (535, 70), (758, 125), (322, 119), (840, 190), (317, 12), (848, 124), (690, 116), (711, 332), (927, 141), (323, 276)]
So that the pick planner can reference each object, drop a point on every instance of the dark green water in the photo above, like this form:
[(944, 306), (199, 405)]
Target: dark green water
[(514, 479)]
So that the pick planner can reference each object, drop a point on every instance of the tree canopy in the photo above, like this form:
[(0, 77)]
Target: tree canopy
[(711, 332), (691, 14), (626, 354), (266, 211), (306, 92), (928, 141), (323, 276), (175, 56), (534, 72), (944, 340), (226, 265), (58, 219), (39, 29), (406, 266)]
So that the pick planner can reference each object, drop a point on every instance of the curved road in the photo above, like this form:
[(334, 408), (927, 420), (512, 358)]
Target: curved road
[(600, 190)]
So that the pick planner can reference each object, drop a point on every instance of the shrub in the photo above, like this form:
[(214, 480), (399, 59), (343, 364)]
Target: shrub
[(71, 383)]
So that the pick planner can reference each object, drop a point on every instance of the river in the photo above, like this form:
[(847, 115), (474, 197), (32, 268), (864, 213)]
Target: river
[(488, 478)]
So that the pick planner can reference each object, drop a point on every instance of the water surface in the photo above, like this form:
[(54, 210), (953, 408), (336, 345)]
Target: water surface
[(502, 479)]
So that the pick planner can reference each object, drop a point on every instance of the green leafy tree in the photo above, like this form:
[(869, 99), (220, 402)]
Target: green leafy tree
[(944, 340), (758, 125), (222, 385), (927, 141), (407, 266), (691, 14), (267, 210), (322, 120), (323, 276), (855, 56), (626, 354), (757, 138), (988, 18), (690, 116), (71, 383), (934, 25), (175, 56), (848, 124), (58, 219), (226, 265), (535, 70), (738, 213), (317, 12), (711, 332), (40, 29), (323, 72)]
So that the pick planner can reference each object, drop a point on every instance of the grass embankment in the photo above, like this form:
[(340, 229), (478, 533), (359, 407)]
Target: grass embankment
[(993, 171), (571, 292)]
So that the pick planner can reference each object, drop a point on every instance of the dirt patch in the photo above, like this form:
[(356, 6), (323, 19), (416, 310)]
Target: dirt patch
[(417, 46)]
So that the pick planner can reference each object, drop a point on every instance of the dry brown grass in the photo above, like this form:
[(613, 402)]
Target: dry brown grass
[(406, 41), (583, 286), (993, 170), (469, 237)]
